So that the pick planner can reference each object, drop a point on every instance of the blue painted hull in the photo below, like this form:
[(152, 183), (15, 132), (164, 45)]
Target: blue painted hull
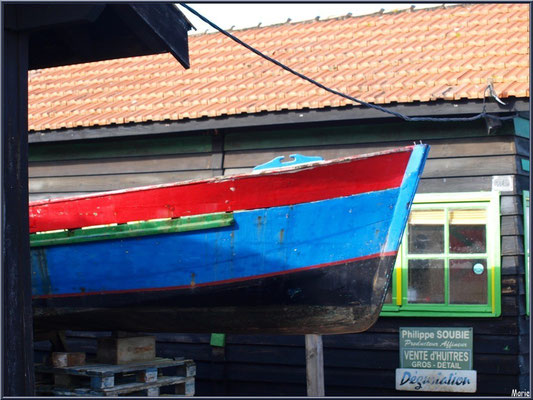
[(260, 242), (327, 260)]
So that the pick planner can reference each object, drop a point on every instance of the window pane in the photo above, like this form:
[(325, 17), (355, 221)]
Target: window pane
[(468, 281), (468, 216), (468, 239), (427, 217), (426, 281), (426, 239)]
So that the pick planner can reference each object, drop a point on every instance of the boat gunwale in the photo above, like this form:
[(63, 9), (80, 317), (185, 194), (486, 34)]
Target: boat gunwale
[(222, 178)]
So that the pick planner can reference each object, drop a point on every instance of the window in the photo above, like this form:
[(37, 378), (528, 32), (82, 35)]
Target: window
[(449, 259), (526, 245)]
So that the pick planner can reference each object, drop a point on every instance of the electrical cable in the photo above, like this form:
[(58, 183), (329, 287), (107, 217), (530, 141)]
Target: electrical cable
[(481, 115)]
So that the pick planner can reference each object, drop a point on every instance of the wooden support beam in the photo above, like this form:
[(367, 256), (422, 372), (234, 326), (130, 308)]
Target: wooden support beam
[(314, 359), (17, 332)]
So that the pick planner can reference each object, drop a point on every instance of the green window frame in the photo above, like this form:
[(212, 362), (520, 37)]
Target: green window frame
[(488, 204), (526, 245)]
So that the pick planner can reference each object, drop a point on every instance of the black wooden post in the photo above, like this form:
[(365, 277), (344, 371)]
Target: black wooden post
[(17, 361)]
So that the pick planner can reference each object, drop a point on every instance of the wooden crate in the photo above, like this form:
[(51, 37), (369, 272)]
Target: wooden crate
[(67, 359), (114, 350), (150, 378)]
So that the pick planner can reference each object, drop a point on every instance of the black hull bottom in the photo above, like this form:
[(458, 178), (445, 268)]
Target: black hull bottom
[(344, 298)]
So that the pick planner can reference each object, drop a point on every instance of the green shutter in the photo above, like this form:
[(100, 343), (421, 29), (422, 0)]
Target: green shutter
[(521, 127)]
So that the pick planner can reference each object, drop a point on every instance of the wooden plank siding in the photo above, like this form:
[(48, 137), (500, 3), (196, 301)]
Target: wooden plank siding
[(68, 169), (463, 158), (250, 364)]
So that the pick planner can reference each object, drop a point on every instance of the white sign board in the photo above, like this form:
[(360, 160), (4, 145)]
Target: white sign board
[(502, 183), (436, 380), (436, 348)]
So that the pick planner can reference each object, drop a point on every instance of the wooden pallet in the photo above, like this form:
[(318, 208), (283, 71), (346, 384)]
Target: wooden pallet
[(161, 376)]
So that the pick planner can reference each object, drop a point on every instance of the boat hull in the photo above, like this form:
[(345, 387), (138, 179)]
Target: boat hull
[(344, 298), (311, 260)]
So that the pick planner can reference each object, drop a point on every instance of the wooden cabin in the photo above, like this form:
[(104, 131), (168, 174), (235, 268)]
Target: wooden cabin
[(465, 257)]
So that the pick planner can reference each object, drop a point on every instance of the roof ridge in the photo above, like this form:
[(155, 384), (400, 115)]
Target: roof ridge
[(289, 22)]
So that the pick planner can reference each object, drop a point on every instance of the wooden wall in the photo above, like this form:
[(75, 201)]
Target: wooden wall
[(62, 169), (462, 158)]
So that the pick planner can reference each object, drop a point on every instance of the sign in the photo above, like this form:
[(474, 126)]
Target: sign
[(502, 183), (436, 380), (436, 348)]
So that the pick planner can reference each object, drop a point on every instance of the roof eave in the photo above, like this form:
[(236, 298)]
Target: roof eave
[(66, 34), (305, 116)]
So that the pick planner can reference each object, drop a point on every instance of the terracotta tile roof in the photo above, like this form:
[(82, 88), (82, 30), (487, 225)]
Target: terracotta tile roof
[(410, 56)]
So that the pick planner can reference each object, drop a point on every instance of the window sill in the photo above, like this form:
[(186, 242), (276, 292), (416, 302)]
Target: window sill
[(481, 312)]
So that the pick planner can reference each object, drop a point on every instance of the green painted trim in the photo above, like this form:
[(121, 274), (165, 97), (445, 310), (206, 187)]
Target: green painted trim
[(447, 259), (394, 283), (527, 228), (458, 308), (218, 340), (388, 310), (525, 164), (130, 230), (95, 149), (521, 127), (490, 200), (460, 197), (437, 314), (354, 134), (393, 288)]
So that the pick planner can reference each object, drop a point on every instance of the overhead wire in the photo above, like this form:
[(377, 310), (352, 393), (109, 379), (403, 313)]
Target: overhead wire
[(482, 114)]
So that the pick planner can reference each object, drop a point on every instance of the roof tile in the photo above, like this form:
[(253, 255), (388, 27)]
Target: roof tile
[(410, 56)]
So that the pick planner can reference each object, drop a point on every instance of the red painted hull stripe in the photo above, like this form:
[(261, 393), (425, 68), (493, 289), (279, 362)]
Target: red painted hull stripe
[(270, 274), (243, 192)]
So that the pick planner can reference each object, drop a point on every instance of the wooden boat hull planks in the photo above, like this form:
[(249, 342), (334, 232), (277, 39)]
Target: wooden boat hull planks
[(309, 301), (303, 249)]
